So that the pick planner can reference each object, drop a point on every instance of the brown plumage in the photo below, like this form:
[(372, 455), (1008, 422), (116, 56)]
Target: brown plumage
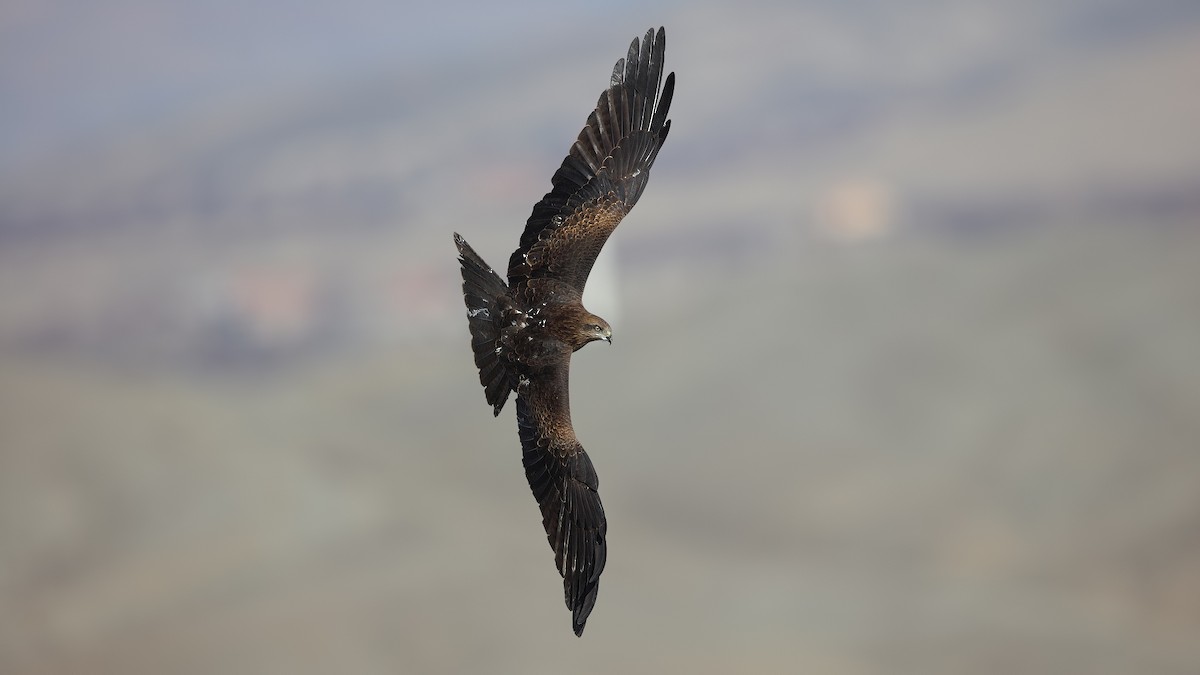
[(524, 332)]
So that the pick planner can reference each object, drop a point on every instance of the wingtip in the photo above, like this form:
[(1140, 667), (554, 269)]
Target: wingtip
[(580, 616), (584, 605)]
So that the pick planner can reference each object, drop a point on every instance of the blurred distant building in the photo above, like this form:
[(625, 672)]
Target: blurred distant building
[(855, 210)]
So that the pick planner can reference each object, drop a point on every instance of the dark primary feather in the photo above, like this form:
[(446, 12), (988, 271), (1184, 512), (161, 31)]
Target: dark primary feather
[(603, 174), (564, 483)]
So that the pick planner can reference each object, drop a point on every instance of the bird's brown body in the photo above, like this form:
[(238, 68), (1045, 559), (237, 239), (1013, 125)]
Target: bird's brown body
[(524, 332), (554, 315)]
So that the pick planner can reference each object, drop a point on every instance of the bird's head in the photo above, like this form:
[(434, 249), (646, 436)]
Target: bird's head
[(593, 328)]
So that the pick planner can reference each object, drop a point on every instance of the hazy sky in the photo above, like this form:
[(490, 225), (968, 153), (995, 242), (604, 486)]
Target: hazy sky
[(72, 70)]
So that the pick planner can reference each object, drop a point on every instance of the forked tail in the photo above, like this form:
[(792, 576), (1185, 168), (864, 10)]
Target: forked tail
[(486, 296)]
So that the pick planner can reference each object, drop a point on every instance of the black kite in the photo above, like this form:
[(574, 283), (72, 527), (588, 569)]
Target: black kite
[(524, 332)]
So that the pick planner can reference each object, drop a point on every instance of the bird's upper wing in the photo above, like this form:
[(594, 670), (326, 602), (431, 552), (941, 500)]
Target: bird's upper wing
[(603, 174), (564, 483)]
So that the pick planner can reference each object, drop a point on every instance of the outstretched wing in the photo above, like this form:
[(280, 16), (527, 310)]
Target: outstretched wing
[(564, 483), (603, 174)]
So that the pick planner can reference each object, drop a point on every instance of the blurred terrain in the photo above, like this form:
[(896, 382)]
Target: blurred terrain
[(904, 378)]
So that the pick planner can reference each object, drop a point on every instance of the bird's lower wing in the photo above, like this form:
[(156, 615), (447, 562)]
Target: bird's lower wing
[(564, 483)]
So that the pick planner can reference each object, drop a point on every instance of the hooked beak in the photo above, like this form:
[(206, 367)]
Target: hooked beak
[(608, 339)]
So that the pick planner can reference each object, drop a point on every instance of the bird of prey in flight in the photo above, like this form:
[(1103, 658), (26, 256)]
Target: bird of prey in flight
[(523, 332)]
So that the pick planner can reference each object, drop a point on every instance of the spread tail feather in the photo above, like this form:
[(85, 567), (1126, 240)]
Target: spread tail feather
[(486, 296)]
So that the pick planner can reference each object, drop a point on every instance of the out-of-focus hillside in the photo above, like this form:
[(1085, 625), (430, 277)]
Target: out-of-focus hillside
[(904, 375)]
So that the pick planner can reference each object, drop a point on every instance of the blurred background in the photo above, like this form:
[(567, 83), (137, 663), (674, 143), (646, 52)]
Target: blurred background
[(905, 377)]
